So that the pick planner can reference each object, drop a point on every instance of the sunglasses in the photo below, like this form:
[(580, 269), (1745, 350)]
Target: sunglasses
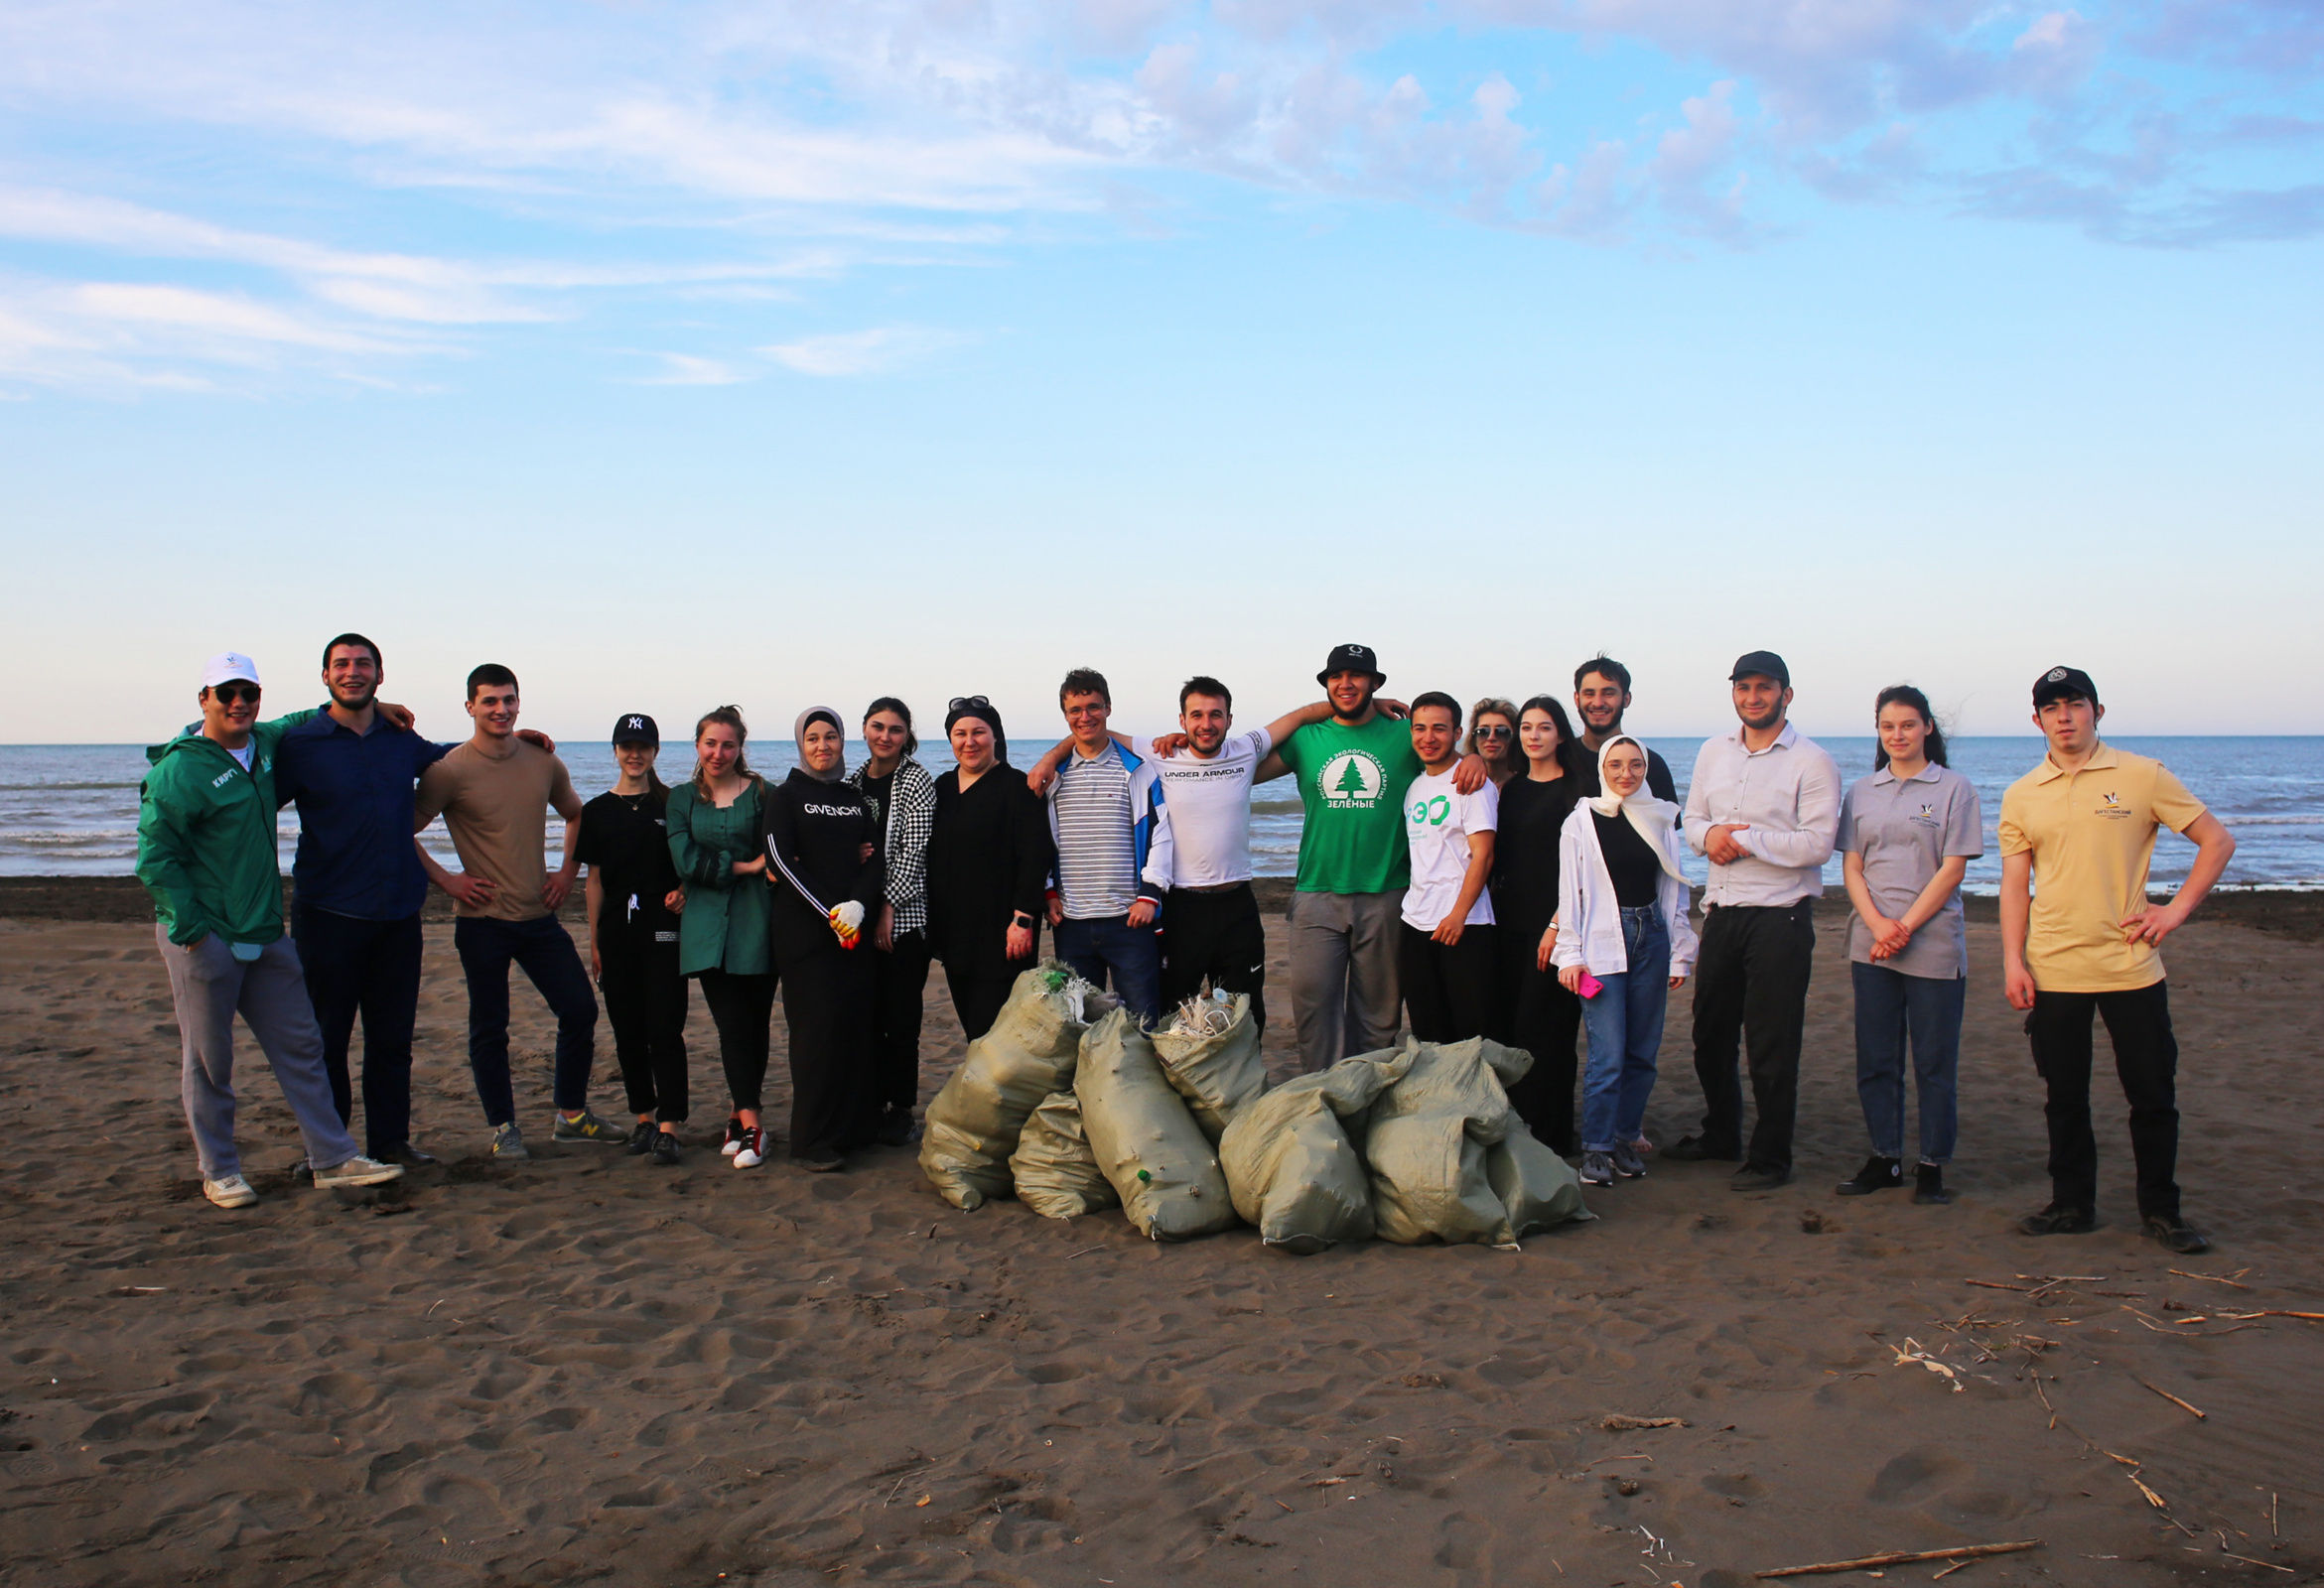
[(1496, 731), (228, 694), (963, 703)]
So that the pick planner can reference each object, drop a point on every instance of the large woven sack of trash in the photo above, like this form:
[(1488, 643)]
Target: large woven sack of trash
[(974, 1122), (1291, 1156), (1143, 1138), (1444, 1161), (1209, 1054), (1056, 1174)]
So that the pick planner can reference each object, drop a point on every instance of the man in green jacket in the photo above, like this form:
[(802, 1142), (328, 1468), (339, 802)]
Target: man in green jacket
[(205, 851)]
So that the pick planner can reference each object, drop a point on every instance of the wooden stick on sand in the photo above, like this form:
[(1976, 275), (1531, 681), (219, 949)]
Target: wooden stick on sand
[(1903, 1558), (2200, 1414)]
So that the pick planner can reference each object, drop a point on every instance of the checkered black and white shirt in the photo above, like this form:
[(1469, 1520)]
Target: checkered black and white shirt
[(910, 818)]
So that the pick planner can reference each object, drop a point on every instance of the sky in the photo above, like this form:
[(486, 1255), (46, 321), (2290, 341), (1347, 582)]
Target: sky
[(783, 354)]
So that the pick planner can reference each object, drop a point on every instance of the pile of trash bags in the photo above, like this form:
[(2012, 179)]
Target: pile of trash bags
[(1071, 1107)]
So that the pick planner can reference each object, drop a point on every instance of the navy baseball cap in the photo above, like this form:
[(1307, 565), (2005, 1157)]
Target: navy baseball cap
[(1761, 664), (636, 728), (1352, 659), (2062, 684)]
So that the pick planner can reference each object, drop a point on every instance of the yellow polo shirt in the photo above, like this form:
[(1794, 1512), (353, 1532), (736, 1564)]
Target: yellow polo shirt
[(2092, 838)]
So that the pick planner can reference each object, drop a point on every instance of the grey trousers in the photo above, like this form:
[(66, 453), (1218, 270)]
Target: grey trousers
[(209, 985), (1344, 986)]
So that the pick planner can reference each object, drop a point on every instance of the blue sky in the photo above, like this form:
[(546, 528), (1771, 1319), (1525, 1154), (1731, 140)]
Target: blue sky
[(686, 353)]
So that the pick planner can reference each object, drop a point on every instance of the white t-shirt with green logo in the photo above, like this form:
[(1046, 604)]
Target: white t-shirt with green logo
[(1437, 822), (1352, 840)]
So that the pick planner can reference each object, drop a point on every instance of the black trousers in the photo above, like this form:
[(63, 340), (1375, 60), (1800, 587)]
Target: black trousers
[(1447, 991), (980, 975), (373, 969), (742, 1010), (900, 978), (645, 1000), (1751, 992), (2146, 1058), (1215, 937), (827, 1003), (1538, 1014)]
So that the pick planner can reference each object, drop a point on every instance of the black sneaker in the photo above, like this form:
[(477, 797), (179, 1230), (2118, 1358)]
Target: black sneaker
[(2177, 1234), (1928, 1185), (641, 1139), (895, 1128), (1694, 1150), (1758, 1177), (665, 1148), (2058, 1219), (1878, 1174)]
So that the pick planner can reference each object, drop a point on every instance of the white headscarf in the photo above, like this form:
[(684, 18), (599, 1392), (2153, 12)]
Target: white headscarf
[(1651, 816)]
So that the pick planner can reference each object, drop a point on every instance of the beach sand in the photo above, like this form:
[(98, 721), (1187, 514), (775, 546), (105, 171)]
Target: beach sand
[(589, 1369)]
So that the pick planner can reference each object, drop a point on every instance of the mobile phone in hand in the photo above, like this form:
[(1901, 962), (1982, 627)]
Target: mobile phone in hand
[(1589, 987)]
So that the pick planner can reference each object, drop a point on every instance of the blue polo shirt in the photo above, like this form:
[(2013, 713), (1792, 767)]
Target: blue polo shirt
[(354, 797)]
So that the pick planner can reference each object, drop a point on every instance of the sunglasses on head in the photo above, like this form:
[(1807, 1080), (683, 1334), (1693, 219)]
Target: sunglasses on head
[(228, 694), (963, 703), (1497, 730)]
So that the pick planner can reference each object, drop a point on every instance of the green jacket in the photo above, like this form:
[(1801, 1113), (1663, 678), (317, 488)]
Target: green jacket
[(726, 919), (206, 848)]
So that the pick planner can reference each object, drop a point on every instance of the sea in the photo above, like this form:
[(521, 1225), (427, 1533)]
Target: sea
[(71, 809)]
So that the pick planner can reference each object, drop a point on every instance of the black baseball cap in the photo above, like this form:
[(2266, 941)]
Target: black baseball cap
[(636, 728), (1352, 659), (1761, 664), (2062, 684)]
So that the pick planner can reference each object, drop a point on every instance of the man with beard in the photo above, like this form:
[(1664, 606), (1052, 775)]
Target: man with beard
[(1601, 694), (1764, 807), (358, 887)]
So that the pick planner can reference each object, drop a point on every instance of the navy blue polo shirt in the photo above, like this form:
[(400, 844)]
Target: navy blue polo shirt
[(354, 797)]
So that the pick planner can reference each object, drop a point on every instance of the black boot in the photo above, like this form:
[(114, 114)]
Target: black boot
[(1878, 1174), (1928, 1186)]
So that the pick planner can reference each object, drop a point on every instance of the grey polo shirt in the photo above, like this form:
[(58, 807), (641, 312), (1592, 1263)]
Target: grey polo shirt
[(1906, 828)]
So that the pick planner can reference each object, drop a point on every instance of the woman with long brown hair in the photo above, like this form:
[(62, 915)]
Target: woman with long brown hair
[(716, 818)]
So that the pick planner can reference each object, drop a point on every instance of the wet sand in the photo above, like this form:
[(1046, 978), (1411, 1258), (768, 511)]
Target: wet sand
[(589, 1369)]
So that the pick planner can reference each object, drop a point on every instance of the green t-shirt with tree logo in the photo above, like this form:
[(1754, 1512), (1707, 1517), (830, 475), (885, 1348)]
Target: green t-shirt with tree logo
[(1351, 786)]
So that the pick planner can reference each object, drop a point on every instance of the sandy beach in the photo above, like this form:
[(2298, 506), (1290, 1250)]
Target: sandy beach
[(587, 1369)]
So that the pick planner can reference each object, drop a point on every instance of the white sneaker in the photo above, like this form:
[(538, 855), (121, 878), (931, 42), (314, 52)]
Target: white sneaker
[(754, 1150), (358, 1170), (231, 1192)]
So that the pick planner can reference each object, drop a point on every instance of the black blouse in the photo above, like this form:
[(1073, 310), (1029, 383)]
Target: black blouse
[(815, 836), (988, 859), (1525, 854), (1631, 863)]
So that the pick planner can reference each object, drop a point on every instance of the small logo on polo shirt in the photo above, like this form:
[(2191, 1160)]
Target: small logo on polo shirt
[(2111, 806), (1928, 813)]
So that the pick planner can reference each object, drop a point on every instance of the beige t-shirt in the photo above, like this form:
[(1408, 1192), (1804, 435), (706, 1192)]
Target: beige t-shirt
[(498, 809), (2092, 837)]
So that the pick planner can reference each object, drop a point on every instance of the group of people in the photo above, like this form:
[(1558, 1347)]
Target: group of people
[(1492, 872)]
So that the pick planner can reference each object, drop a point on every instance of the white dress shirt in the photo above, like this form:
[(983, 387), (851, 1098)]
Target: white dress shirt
[(1787, 796)]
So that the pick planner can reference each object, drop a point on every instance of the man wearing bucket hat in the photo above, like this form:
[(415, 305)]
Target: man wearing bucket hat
[(2080, 939), (205, 851), (1353, 768)]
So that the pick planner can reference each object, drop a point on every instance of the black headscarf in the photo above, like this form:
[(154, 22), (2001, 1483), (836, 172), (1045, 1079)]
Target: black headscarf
[(991, 718)]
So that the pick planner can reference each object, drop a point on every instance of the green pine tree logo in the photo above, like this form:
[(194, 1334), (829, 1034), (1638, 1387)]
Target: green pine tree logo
[(1351, 779)]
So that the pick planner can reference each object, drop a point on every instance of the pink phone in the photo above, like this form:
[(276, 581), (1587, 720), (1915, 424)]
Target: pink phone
[(1590, 986)]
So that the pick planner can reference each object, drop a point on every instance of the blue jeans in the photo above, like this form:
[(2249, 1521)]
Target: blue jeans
[(1624, 1022), (545, 953), (1133, 953), (1889, 1006)]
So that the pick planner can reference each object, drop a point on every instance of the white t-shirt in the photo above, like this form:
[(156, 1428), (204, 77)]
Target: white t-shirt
[(1210, 808), (1437, 822)]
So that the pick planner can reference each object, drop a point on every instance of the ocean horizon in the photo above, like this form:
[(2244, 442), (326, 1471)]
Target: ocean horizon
[(70, 810)]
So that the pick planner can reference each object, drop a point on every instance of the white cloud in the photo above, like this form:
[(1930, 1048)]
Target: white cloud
[(862, 352), (684, 369)]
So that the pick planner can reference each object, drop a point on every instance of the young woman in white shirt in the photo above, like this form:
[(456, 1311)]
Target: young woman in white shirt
[(1622, 923)]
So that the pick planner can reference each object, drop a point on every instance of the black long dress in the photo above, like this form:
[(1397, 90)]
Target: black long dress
[(1536, 1013), (988, 859), (815, 836)]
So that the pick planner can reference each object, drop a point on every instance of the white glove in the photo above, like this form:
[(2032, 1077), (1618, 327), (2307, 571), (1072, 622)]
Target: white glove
[(847, 919)]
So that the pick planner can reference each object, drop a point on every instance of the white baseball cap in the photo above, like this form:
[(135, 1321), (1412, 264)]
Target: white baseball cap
[(229, 667)]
